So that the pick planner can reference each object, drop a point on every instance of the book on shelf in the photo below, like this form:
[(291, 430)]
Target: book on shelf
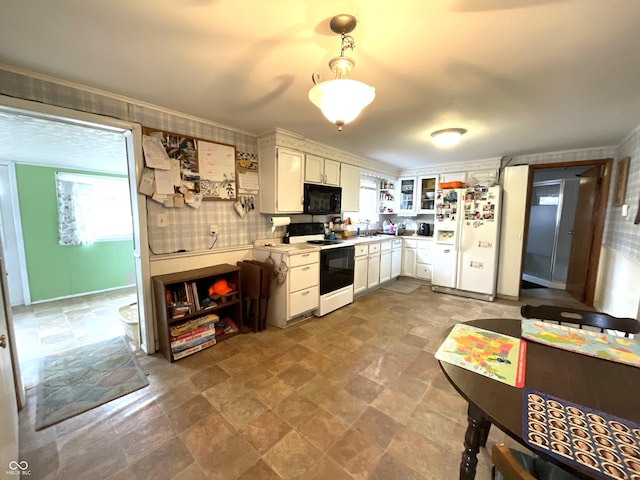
[(193, 342), (193, 324), (187, 338), (197, 348), (196, 297)]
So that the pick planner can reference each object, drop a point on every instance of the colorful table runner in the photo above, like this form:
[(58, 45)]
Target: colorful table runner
[(596, 344), (606, 445), (491, 354)]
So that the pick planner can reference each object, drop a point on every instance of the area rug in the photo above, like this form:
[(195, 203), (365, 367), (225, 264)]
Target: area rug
[(77, 380), (401, 286)]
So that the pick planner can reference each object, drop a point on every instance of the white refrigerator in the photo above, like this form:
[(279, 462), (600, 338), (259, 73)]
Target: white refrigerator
[(466, 233)]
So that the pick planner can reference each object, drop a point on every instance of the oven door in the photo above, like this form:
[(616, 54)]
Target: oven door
[(336, 268)]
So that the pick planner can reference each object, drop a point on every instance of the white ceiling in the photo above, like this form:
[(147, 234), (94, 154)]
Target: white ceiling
[(523, 76)]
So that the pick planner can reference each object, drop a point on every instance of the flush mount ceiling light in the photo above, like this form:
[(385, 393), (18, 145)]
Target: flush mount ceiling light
[(448, 137), (342, 99)]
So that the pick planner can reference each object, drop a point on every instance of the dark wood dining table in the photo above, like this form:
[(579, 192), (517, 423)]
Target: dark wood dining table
[(599, 384)]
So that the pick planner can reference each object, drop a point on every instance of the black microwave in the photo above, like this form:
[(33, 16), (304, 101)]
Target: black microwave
[(322, 199)]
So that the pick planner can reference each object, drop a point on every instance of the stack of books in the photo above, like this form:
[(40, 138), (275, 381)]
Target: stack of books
[(191, 336)]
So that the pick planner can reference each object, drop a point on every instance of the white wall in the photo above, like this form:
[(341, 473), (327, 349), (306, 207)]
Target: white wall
[(617, 291)]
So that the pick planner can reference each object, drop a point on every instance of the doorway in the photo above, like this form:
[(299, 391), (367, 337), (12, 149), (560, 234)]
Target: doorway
[(564, 226), (551, 218), (129, 139)]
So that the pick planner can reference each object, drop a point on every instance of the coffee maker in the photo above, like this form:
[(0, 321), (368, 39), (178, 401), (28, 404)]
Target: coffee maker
[(425, 229)]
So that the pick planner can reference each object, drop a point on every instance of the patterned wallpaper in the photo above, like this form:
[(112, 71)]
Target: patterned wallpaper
[(189, 228), (620, 232)]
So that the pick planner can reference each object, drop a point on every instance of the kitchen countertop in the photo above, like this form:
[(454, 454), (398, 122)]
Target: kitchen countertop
[(276, 245)]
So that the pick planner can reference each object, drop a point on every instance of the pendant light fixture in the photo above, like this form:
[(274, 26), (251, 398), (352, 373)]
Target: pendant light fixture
[(341, 100)]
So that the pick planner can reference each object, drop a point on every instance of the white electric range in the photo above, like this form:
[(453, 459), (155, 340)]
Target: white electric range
[(337, 263)]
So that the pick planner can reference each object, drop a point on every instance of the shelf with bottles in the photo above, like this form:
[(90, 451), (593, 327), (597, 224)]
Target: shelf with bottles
[(386, 197)]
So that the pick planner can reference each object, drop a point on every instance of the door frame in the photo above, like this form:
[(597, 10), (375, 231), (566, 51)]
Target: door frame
[(606, 165), (132, 135)]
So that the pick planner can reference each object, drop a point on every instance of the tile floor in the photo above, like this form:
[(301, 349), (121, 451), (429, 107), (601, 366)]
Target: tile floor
[(356, 394), (50, 327)]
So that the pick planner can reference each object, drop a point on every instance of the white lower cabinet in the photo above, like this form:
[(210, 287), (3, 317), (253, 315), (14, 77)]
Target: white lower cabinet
[(424, 256), (373, 270), (385, 261), (360, 269), (299, 294), (409, 255), (396, 257)]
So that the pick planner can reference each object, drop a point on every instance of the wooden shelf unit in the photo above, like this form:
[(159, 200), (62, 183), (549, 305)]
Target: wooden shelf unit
[(226, 306)]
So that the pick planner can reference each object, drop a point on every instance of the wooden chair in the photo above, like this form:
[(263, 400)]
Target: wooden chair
[(507, 467), (511, 464), (599, 320)]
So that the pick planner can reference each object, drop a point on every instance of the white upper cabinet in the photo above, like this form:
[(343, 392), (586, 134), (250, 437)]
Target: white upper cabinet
[(321, 170), (280, 180), (350, 183), (407, 195), (426, 194)]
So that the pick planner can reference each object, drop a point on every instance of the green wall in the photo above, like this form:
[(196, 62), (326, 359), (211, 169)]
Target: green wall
[(58, 271)]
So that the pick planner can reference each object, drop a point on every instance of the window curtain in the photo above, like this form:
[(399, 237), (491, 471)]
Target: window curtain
[(74, 212)]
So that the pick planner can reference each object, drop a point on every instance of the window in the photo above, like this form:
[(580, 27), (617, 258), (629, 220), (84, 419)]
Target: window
[(368, 202), (92, 209)]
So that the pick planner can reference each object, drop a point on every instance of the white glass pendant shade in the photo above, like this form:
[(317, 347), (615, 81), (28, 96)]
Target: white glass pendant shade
[(341, 100)]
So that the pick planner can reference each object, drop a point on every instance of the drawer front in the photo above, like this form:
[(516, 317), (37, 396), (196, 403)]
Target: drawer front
[(374, 248), (425, 256), (361, 250), (385, 246), (304, 300), (423, 271), (396, 243), (301, 259), (304, 276), (410, 243)]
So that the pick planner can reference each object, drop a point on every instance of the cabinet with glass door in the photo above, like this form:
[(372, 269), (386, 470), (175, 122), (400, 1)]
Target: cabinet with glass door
[(426, 194), (407, 195)]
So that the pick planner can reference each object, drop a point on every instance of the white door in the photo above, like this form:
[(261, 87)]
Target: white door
[(444, 265), (512, 230), (373, 270), (331, 172), (289, 181), (408, 262), (8, 403), (313, 169), (9, 229), (350, 183), (396, 262), (385, 266), (360, 275)]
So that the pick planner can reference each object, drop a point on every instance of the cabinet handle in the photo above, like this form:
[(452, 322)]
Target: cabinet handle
[(306, 293), (306, 268), (306, 254)]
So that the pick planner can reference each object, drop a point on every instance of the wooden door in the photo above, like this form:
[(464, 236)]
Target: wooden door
[(8, 403), (583, 229)]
